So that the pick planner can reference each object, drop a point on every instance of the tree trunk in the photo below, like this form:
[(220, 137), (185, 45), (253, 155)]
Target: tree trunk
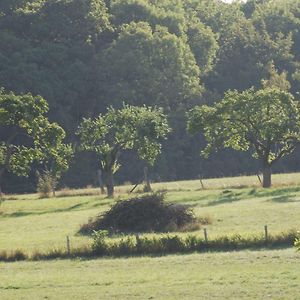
[(2, 170), (100, 180), (109, 182), (147, 185), (267, 175)]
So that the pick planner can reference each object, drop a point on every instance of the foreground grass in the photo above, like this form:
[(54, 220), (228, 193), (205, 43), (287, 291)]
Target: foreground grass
[(236, 275), (29, 223)]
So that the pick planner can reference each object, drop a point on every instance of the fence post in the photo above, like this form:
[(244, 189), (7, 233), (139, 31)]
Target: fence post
[(205, 235), (138, 242), (68, 245), (266, 233)]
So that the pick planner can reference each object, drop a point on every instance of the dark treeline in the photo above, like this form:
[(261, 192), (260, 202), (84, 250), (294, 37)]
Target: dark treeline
[(85, 55)]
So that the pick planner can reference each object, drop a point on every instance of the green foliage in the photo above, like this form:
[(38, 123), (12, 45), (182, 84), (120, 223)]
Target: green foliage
[(46, 185), (166, 13), (99, 245), (266, 121), (85, 55), (131, 127), (203, 43), (297, 243), (139, 128), (27, 135), (276, 80), (150, 66)]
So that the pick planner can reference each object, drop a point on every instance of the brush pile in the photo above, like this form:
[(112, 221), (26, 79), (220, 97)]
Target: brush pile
[(147, 213)]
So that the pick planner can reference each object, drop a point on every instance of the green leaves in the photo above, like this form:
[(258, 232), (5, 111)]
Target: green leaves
[(130, 127), (28, 136), (268, 121), (146, 64)]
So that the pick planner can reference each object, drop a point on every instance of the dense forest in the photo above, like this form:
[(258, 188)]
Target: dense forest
[(84, 56)]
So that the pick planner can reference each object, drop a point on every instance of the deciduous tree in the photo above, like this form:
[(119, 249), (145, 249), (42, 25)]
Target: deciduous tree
[(27, 136), (266, 121), (131, 127)]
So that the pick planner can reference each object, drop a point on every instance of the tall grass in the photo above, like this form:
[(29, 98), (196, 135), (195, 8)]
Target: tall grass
[(135, 245)]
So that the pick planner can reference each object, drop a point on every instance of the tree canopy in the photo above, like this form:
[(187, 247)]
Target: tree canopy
[(28, 136), (131, 127), (266, 121), (86, 55)]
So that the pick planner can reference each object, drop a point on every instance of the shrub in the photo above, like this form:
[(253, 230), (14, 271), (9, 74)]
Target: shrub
[(146, 245), (125, 246), (171, 244), (99, 245), (46, 185), (147, 213), (16, 255), (297, 243)]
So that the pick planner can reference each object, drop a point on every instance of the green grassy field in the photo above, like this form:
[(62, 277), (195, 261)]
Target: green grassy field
[(29, 223), (236, 275), (235, 205)]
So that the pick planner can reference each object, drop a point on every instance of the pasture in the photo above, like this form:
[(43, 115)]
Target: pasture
[(235, 205), (235, 275)]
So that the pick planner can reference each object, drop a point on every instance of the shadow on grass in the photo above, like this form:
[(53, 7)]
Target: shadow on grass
[(274, 192), (283, 199), (226, 196), (71, 208)]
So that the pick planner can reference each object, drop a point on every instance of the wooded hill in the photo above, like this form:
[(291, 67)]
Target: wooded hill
[(83, 56)]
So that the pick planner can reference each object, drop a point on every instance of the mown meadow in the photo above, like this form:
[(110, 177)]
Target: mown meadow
[(233, 205), (272, 274)]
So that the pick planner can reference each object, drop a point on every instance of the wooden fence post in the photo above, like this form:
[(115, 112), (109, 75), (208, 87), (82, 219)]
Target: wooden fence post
[(205, 235), (68, 245), (266, 233)]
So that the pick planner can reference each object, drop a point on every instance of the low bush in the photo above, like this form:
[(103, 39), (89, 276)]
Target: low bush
[(46, 185), (147, 213), (99, 245), (16, 255)]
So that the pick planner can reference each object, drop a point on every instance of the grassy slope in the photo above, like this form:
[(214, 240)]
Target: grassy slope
[(29, 223), (236, 275)]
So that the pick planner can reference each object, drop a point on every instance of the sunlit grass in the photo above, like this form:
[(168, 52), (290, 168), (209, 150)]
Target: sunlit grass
[(236, 275), (29, 223), (235, 205)]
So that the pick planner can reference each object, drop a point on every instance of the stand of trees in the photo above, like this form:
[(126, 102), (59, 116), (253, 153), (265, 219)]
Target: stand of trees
[(86, 55), (139, 128)]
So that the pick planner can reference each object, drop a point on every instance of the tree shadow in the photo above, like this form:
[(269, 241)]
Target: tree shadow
[(283, 199), (274, 192), (37, 213), (225, 197), (103, 203)]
